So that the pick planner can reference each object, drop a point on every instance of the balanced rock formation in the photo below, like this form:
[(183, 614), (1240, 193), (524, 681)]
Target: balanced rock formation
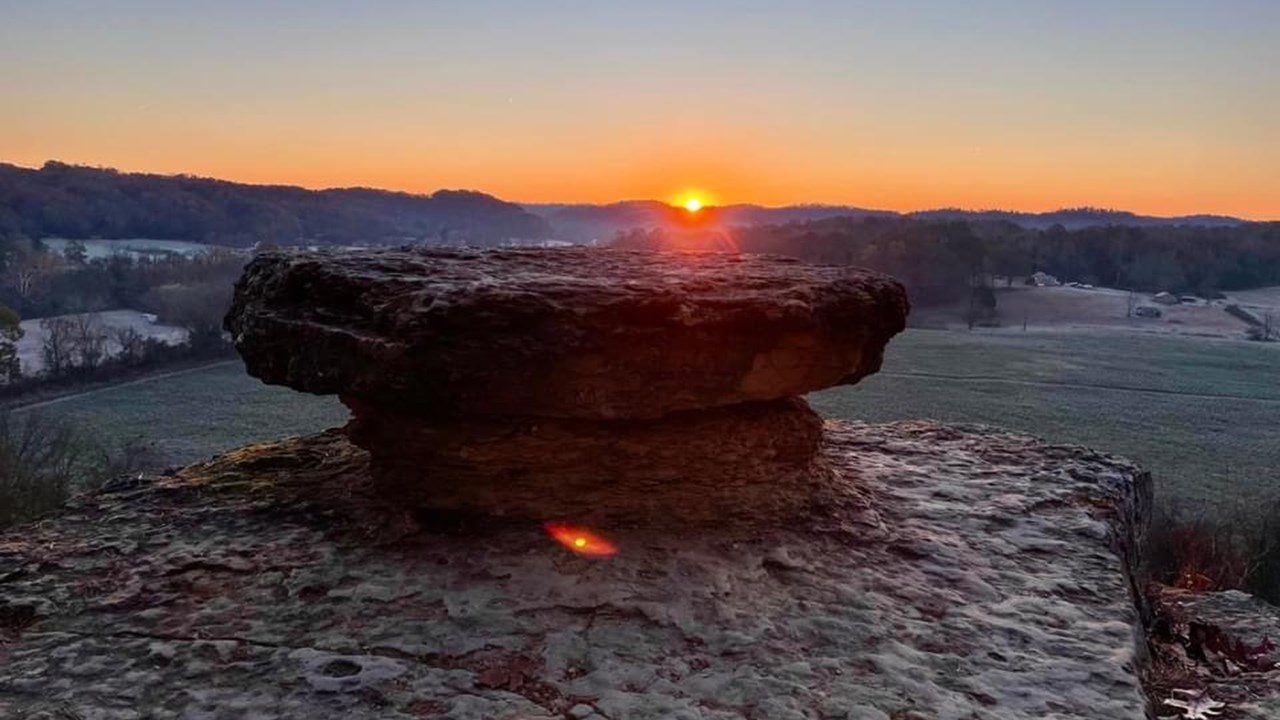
[(743, 558), (579, 384)]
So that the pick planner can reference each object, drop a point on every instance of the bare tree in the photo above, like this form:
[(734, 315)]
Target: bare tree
[(199, 308), (89, 338), (10, 333), (131, 347), (59, 346), (30, 270)]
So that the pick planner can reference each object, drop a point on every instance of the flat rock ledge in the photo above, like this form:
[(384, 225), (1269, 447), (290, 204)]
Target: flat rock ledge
[(559, 333), (948, 573)]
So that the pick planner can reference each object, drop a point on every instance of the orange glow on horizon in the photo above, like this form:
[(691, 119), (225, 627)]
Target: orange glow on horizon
[(580, 540), (692, 200), (885, 185), (572, 104)]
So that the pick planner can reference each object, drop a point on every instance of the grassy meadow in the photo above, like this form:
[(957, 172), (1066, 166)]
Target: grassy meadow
[(1202, 415), (190, 415)]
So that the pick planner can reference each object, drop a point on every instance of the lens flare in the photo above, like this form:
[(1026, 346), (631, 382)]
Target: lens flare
[(580, 540)]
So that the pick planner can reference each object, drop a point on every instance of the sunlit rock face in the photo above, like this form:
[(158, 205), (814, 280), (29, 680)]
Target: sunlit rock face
[(583, 384)]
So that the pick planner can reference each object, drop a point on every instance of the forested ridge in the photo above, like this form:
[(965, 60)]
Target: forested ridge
[(939, 260), (60, 200), (937, 254)]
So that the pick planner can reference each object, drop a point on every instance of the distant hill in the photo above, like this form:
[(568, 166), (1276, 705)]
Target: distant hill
[(1078, 218), (582, 222), (68, 201)]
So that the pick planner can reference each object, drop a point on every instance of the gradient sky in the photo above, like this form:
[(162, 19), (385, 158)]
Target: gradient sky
[(1160, 106)]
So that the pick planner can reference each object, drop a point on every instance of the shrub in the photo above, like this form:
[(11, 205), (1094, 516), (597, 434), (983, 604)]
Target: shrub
[(38, 460), (42, 462), (1209, 549)]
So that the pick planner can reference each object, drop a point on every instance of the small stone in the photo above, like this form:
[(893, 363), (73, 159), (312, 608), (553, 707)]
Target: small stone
[(161, 653)]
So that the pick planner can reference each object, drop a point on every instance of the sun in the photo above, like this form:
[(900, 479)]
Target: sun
[(693, 204)]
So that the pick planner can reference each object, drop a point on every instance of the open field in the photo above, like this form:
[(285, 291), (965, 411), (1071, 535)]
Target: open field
[(1089, 310), (190, 415), (135, 248), (30, 347), (1265, 299), (1203, 415)]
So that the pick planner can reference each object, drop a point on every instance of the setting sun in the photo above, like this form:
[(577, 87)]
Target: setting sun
[(693, 205)]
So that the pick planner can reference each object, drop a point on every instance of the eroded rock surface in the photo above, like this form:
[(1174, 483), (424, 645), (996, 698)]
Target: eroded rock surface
[(574, 332), (1221, 646), (946, 573)]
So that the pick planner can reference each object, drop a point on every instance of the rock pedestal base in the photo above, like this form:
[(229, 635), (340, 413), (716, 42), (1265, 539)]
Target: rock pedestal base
[(753, 463)]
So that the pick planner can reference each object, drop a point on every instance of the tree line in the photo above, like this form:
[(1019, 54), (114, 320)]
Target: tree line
[(67, 288), (38, 282), (67, 201), (942, 260)]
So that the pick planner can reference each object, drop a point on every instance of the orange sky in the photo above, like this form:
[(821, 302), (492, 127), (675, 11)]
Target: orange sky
[(918, 106)]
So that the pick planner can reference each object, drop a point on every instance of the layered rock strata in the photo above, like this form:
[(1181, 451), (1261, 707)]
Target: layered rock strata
[(582, 384)]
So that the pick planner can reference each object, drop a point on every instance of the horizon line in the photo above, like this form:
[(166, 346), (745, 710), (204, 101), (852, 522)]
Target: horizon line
[(622, 201)]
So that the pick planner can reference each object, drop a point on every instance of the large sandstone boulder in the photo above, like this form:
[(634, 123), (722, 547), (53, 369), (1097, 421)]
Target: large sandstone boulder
[(574, 332), (655, 389)]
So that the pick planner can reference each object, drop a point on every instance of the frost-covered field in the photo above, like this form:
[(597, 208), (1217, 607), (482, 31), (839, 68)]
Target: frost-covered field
[(135, 248), (30, 351), (1203, 415), (188, 415)]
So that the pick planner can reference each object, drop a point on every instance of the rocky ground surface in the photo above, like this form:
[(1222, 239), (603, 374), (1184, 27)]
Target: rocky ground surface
[(945, 573), (1218, 649)]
